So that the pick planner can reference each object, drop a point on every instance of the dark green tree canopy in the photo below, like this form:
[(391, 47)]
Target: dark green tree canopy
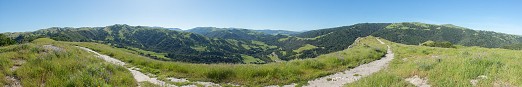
[(4, 40)]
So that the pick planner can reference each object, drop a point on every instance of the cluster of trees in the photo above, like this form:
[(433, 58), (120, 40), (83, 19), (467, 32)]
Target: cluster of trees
[(4, 40)]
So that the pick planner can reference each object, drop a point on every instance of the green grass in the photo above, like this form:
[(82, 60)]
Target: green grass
[(144, 52), (450, 67), (70, 67), (251, 60), (384, 80), (148, 84), (293, 71), (199, 48), (305, 47), (274, 57)]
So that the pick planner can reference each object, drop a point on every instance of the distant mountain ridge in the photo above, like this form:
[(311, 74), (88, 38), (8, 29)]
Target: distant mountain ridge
[(180, 46), (265, 31), (232, 45), (275, 32)]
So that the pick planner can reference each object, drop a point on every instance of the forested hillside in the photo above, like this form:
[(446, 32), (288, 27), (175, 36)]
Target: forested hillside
[(235, 33), (415, 33), (235, 45), (179, 46)]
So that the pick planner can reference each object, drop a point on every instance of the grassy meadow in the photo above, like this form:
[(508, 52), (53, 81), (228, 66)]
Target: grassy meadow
[(280, 73), (449, 67), (58, 65)]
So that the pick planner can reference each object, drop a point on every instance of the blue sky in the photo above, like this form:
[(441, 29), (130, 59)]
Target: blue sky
[(297, 15)]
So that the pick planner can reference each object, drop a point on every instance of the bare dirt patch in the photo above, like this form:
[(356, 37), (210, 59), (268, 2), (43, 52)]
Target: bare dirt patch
[(419, 82)]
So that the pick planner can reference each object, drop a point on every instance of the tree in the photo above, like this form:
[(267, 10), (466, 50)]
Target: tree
[(4, 40)]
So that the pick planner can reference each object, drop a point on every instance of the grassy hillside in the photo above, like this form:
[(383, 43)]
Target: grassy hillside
[(251, 74), (45, 62), (449, 67)]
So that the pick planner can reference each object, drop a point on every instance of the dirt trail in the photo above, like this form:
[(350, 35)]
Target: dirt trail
[(13, 80), (334, 80), (351, 75), (139, 76)]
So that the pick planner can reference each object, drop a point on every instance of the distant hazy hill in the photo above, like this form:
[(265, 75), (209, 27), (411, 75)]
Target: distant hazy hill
[(203, 30), (275, 32), (176, 29)]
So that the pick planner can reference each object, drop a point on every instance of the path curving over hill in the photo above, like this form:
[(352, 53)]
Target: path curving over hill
[(351, 75)]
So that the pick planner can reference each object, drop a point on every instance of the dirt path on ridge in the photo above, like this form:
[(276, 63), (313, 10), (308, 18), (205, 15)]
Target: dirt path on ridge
[(351, 75)]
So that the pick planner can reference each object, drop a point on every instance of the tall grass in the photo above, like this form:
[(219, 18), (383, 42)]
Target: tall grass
[(279, 73), (54, 68), (451, 67)]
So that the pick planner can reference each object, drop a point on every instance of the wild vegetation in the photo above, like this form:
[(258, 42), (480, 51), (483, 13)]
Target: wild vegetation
[(4, 40), (279, 73), (513, 46), (45, 62), (438, 44), (449, 67)]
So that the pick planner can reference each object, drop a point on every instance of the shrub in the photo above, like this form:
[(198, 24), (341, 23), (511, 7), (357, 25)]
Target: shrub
[(4, 40), (220, 75), (444, 44)]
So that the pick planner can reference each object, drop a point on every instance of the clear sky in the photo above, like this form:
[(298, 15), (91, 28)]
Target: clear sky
[(29, 15)]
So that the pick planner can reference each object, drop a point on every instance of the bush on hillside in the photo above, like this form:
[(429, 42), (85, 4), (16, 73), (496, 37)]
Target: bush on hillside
[(4, 40), (444, 44), (513, 46)]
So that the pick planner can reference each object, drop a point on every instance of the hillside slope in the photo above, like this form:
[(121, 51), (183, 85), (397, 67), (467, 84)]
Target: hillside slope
[(414, 33), (276, 73), (449, 67), (179, 46), (45, 62)]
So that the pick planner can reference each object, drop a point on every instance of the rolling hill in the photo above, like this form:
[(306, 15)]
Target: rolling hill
[(179, 46), (235, 45), (251, 58)]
